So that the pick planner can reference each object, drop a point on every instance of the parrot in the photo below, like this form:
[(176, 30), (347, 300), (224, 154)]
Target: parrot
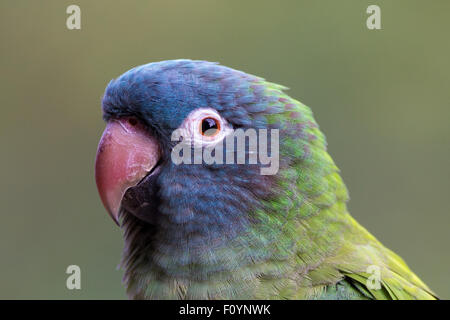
[(224, 231)]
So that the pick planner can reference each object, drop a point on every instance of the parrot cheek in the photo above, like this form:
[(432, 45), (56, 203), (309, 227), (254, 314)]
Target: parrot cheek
[(125, 155)]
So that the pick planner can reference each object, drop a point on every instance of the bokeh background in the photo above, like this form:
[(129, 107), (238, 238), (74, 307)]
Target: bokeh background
[(382, 98)]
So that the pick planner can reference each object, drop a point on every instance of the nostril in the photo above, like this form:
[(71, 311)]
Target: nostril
[(132, 121)]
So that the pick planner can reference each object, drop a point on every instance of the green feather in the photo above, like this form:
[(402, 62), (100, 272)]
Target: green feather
[(331, 250)]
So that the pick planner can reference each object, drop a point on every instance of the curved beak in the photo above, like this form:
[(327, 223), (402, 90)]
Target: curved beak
[(125, 154)]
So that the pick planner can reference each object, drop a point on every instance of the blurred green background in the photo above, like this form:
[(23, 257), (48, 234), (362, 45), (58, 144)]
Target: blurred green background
[(382, 98)]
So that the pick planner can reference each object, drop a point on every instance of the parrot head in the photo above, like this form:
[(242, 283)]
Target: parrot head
[(187, 225)]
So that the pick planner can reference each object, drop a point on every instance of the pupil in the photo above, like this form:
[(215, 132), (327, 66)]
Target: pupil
[(209, 126)]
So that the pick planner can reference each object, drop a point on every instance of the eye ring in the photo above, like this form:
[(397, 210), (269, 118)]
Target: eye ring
[(209, 127)]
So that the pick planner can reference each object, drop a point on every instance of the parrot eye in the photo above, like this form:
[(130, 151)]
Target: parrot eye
[(204, 126), (209, 127)]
